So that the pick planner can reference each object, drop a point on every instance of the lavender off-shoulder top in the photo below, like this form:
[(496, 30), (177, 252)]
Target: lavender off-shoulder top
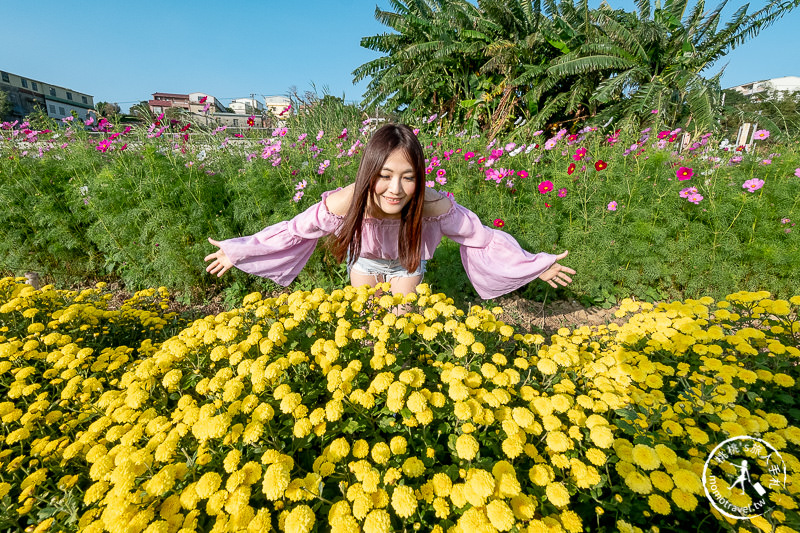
[(493, 260)]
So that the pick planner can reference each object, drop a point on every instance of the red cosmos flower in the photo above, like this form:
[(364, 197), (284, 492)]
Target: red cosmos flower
[(673, 138), (186, 127), (251, 121), (547, 205), (498, 223), (571, 169), (740, 148), (600, 165)]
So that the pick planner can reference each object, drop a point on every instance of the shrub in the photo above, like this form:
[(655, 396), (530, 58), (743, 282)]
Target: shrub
[(327, 411)]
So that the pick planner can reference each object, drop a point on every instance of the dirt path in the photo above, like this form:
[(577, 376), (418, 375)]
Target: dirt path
[(529, 315)]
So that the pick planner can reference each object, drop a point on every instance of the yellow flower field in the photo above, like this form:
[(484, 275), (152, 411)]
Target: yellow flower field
[(327, 412)]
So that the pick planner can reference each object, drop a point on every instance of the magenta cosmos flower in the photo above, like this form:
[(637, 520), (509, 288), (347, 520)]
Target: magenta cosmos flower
[(498, 223), (753, 185), (545, 187), (562, 193), (684, 173)]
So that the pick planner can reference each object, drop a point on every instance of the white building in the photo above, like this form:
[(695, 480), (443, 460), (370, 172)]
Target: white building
[(247, 106), (783, 84)]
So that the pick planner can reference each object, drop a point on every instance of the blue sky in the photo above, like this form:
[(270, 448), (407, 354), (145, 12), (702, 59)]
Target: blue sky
[(125, 51)]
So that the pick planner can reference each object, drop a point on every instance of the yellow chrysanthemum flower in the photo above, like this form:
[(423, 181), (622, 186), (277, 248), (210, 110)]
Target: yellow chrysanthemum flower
[(557, 494), (404, 502), (466, 447)]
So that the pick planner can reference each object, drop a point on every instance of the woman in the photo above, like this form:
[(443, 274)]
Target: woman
[(388, 224)]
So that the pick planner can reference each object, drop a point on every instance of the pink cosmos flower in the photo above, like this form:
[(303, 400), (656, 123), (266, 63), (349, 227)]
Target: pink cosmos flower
[(441, 180), (297, 196), (612, 206), (684, 173), (562, 193), (766, 162), (301, 185), (695, 198), (687, 191), (550, 143), (761, 134), (320, 134), (753, 184), (785, 220), (545, 187), (797, 172), (430, 184)]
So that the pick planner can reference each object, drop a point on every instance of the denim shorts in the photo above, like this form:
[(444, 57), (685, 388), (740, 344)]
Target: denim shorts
[(389, 268)]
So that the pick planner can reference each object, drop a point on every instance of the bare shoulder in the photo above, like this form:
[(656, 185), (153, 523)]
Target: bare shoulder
[(339, 202), (436, 204)]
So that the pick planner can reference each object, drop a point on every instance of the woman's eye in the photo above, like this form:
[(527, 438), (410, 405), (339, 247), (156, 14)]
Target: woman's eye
[(386, 177), (409, 178)]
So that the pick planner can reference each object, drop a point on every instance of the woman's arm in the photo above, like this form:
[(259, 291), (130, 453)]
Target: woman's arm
[(280, 251)]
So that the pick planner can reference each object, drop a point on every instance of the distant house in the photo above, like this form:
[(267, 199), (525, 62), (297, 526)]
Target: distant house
[(163, 101), (276, 104), (783, 84), (27, 94), (247, 106)]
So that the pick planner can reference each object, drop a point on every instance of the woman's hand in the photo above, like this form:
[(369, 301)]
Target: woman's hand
[(220, 263), (558, 273)]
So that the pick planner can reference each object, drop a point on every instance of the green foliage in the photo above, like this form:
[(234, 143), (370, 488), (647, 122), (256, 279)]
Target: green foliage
[(489, 63), (143, 214)]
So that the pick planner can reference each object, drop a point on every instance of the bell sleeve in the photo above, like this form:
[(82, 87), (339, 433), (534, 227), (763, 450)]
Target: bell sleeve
[(495, 263), (279, 252)]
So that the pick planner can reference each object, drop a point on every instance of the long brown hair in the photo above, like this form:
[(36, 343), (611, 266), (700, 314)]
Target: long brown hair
[(386, 140)]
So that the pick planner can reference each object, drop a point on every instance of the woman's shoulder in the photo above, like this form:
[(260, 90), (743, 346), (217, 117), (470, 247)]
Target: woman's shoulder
[(338, 202), (436, 204)]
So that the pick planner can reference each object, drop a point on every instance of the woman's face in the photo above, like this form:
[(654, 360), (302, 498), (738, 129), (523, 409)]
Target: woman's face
[(395, 186)]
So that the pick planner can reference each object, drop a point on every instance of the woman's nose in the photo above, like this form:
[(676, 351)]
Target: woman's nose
[(395, 186)]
